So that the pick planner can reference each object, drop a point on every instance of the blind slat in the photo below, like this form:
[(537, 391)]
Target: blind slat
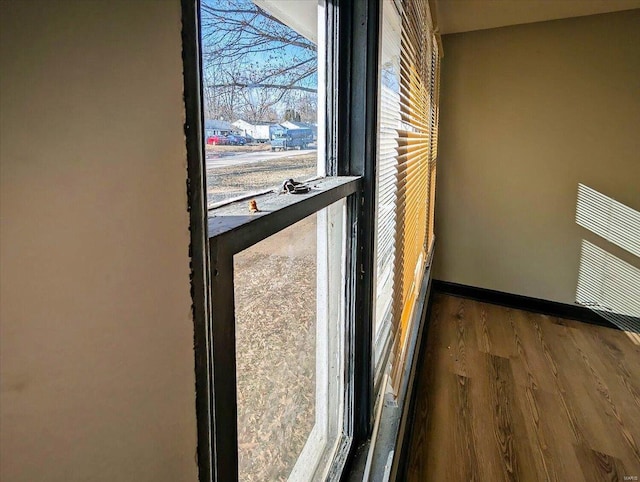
[(407, 149)]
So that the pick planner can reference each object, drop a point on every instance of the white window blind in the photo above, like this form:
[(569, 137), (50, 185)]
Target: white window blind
[(387, 170), (408, 117)]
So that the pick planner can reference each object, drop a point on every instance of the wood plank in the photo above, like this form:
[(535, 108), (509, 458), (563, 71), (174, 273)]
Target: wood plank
[(464, 437), (495, 336), (620, 357), (530, 364), (510, 395), (614, 403), (555, 357), (538, 438), (508, 424), (463, 348), (488, 452), (578, 392), (446, 338), (558, 436), (429, 436), (598, 467)]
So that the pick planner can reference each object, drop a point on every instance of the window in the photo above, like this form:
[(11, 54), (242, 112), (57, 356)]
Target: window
[(261, 95), (275, 356), (289, 316), (295, 286), (279, 302)]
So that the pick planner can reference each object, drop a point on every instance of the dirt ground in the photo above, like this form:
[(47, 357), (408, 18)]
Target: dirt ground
[(228, 182), (246, 148), (275, 299), (275, 295)]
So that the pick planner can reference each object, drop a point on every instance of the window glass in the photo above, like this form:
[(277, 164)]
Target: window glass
[(289, 349), (262, 94)]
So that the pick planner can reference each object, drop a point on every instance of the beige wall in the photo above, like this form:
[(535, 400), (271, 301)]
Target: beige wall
[(527, 113), (97, 366)]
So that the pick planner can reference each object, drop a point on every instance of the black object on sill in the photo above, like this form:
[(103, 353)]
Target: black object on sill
[(294, 187)]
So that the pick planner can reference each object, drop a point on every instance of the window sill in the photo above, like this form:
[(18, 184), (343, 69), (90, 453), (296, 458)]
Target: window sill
[(275, 211)]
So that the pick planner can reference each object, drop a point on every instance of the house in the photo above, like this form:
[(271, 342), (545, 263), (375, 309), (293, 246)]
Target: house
[(260, 131), (213, 127), (114, 277)]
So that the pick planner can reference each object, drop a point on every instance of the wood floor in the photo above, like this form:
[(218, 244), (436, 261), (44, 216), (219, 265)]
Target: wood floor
[(509, 395)]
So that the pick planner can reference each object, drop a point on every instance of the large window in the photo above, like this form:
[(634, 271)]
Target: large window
[(282, 245), (319, 222)]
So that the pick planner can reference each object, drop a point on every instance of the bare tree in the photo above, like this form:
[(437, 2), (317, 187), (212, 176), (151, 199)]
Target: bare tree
[(254, 60), (304, 105)]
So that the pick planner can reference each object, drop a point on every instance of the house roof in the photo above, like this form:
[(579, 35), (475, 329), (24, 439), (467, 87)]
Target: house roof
[(300, 124), (257, 123), (217, 124)]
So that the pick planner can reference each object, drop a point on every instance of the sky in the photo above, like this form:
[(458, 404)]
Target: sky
[(273, 54)]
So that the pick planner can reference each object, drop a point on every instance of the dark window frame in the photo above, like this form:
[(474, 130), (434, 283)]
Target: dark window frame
[(234, 236), (353, 30)]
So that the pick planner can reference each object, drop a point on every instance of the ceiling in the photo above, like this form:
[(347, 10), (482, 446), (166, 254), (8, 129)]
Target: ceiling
[(466, 15)]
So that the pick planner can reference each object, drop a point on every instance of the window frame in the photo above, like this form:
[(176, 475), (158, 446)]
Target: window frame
[(351, 139), (231, 237)]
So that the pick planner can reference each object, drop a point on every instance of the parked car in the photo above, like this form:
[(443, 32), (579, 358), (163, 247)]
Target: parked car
[(217, 140), (236, 140)]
